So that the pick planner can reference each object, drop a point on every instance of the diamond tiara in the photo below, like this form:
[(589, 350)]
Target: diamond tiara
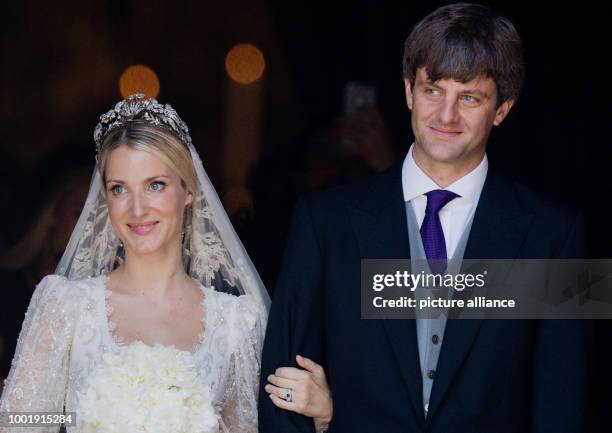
[(138, 108)]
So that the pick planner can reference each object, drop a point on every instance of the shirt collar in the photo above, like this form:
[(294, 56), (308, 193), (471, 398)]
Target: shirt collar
[(416, 183)]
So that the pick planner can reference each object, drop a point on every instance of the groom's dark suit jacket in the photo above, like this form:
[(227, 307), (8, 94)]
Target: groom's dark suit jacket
[(493, 376)]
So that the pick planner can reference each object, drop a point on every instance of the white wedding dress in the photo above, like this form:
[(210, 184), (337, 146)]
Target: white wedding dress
[(68, 327)]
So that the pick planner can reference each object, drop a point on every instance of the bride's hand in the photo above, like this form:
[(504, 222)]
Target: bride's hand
[(310, 394)]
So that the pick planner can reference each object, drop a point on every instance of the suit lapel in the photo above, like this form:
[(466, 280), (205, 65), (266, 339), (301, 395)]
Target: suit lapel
[(498, 232), (379, 221)]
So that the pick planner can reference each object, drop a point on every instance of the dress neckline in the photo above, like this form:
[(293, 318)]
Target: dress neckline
[(119, 343)]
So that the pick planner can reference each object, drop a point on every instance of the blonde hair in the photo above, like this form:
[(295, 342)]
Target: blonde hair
[(163, 144)]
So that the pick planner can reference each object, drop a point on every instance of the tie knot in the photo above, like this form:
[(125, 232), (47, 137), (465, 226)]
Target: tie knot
[(437, 199)]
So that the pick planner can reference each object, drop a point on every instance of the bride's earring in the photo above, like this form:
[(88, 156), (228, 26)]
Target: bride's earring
[(119, 255)]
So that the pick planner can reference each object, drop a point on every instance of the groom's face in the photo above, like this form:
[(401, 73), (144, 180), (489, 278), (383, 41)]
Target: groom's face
[(451, 121)]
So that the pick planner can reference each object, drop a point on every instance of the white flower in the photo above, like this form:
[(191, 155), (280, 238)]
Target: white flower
[(146, 389)]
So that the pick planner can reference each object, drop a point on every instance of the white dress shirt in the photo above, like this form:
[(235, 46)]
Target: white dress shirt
[(456, 215)]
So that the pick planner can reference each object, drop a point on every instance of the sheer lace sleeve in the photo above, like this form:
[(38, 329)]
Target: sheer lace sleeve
[(38, 376), (240, 409)]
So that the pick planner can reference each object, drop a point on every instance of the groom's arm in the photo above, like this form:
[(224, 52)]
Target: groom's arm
[(560, 382), (295, 323)]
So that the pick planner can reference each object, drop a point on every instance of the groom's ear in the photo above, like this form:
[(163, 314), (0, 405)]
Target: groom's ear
[(409, 95), (502, 111)]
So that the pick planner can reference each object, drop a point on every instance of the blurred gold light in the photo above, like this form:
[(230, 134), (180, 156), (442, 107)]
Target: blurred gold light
[(245, 63), (139, 79)]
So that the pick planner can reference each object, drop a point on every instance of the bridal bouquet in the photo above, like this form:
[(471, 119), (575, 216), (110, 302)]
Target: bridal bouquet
[(146, 389)]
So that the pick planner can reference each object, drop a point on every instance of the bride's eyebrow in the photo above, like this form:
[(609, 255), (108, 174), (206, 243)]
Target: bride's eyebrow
[(149, 179)]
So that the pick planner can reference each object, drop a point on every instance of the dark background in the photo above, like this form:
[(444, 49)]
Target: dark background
[(61, 62)]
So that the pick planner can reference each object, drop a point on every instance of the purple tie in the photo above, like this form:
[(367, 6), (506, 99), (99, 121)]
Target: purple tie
[(431, 229)]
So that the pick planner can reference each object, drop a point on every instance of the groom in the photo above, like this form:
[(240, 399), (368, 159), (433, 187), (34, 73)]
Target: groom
[(463, 71)]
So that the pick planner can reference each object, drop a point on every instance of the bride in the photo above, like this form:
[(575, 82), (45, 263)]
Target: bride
[(155, 317)]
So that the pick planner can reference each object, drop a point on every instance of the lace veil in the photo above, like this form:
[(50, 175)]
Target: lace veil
[(212, 252)]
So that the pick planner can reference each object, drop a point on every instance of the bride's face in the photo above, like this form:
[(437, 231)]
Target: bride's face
[(146, 201)]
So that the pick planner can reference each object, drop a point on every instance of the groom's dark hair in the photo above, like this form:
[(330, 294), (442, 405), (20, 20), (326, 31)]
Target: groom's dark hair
[(462, 41)]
